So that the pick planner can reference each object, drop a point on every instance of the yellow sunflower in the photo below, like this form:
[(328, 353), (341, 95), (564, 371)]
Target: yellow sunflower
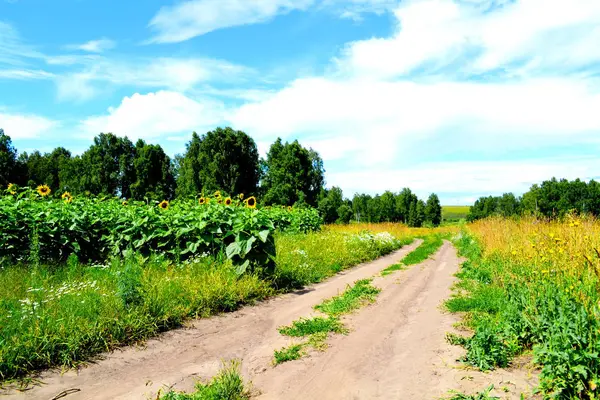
[(250, 202), (228, 201), (289, 208), (124, 203), (164, 204), (218, 194), (66, 196), (44, 190), (241, 196), (202, 200), (12, 188)]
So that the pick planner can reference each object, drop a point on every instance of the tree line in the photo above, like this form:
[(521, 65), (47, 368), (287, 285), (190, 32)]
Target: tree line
[(551, 198)]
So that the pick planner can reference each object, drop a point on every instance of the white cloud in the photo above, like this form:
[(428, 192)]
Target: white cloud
[(177, 74), (25, 74), (155, 115), (95, 46), (434, 34), (25, 126), (192, 18), (13, 50)]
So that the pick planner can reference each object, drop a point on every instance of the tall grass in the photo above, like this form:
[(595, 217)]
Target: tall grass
[(61, 316), (531, 284)]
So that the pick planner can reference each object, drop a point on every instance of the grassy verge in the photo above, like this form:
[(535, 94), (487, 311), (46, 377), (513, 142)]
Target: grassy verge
[(485, 395), (316, 329), (63, 315), (512, 307), (430, 245), (227, 385)]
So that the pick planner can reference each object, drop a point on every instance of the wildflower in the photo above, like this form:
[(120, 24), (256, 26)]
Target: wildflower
[(12, 188), (228, 201), (202, 200), (66, 196), (241, 196), (514, 253), (164, 204), (250, 202), (43, 190)]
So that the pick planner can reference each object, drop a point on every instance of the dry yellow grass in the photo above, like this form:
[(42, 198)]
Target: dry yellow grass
[(569, 246), (396, 229)]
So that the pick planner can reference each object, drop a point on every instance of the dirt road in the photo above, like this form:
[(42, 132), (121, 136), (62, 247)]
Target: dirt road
[(395, 349)]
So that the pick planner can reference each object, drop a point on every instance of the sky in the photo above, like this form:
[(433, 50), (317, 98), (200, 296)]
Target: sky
[(463, 98)]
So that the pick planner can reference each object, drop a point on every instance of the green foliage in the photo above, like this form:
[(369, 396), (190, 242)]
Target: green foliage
[(290, 353), (344, 214), (329, 204), (433, 210), (153, 173), (512, 309), (306, 327), (292, 174), (353, 298), (8, 161), (430, 245), (485, 395), (94, 229), (223, 159), (227, 385), (129, 283)]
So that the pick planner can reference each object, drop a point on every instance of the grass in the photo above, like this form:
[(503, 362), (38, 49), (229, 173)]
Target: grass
[(290, 353), (227, 385), (430, 245), (316, 329), (532, 285), (61, 315), (485, 395), (354, 298), (306, 327)]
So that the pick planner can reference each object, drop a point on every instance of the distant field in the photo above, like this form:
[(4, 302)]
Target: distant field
[(454, 213)]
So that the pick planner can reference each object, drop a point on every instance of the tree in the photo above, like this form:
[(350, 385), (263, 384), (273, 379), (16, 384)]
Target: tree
[(360, 207), (388, 207), (433, 210), (403, 202), (154, 176), (292, 174), (188, 177), (46, 169), (330, 203), (344, 214), (420, 213), (8, 160), (228, 161)]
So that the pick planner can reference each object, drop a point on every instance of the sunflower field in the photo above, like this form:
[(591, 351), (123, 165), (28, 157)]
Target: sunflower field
[(41, 227)]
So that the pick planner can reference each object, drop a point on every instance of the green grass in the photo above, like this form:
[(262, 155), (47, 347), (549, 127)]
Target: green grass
[(454, 213), (430, 245), (61, 315), (485, 395), (306, 327), (290, 353), (316, 329), (227, 385), (353, 298)]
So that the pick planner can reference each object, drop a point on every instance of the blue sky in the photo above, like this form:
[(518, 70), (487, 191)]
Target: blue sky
[(459, 97)]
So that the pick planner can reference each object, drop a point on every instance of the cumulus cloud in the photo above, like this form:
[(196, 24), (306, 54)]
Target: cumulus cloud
[(155, 115), (25, 126)]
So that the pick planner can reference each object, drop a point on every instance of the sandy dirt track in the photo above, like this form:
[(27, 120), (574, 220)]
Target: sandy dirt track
[(395, 349)]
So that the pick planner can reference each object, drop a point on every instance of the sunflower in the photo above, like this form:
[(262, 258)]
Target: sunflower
[(43, 190), (289, 208), (66, 196), (202, 200), (124, 203), (241, 196), (250, 202), (217, 194), (228, 201), (164, 204), (12, 188)]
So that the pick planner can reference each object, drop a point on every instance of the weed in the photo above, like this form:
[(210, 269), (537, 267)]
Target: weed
[(289, 353), (227, 385), (353, 298), (485, 395), (306, 327), (429, 246)]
